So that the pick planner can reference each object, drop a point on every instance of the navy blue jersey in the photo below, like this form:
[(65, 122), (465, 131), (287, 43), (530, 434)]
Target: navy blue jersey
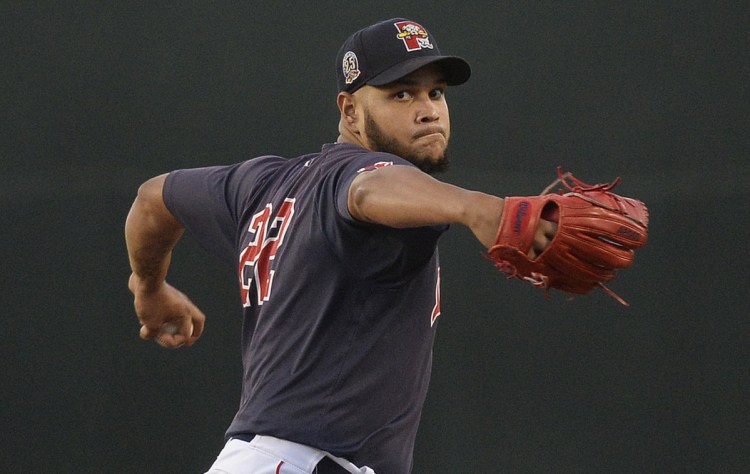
[(339, 315)]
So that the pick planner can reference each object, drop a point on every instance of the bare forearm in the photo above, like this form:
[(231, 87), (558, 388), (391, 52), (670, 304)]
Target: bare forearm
[(401, 196), (151, 233)]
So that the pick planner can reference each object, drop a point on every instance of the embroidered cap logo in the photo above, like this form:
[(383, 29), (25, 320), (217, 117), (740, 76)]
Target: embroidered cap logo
[(413, 35), (350, 65)]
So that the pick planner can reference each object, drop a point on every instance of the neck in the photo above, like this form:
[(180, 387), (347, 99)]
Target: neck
[(353, 139)]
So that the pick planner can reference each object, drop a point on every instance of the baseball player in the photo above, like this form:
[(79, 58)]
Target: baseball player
[(337, 263)]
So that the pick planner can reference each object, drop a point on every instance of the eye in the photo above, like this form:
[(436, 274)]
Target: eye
[(401, 95), (437, 93)]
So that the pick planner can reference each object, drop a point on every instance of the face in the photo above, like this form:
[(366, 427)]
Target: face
[(409, 118)]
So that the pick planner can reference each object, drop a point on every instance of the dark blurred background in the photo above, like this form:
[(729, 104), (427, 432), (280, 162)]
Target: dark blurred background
[(96, 97)]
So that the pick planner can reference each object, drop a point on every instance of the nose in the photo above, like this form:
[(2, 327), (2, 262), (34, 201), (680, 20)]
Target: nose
[(427, 112)]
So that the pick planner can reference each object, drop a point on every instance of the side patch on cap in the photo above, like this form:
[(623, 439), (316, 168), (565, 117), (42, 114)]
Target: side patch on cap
[(350, 66)]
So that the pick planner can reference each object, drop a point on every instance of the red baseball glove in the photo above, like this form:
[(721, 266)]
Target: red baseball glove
[(597, 234)]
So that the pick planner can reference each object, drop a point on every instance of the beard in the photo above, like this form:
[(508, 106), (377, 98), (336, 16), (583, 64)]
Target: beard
[(379, 141)]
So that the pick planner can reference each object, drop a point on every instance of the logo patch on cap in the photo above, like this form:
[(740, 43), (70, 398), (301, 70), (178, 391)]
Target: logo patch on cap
[(350, 66), (413, 35)]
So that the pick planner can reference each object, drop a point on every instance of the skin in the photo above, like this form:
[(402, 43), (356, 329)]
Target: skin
[(408, 118), (413, 114), (151, 232)]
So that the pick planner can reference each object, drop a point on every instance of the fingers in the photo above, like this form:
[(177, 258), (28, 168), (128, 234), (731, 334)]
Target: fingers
[(169, 318), (170, 335), (187, 330), (184, 333), (199, 322), (173, 335), (545, 233), (147, 333), (131, 283), (548, 228)]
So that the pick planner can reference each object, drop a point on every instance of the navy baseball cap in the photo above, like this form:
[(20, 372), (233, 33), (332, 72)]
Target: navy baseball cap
[(389, 50)]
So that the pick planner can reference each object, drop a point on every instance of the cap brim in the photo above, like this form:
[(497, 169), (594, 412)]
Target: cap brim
[(457, 70)]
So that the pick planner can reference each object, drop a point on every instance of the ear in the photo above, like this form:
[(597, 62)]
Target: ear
[(349, 109)]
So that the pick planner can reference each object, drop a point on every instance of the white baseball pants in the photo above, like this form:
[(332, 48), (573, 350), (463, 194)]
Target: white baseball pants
[(269, 455)]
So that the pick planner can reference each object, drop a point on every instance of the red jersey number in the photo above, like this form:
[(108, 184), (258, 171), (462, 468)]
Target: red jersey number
[(255, 269)]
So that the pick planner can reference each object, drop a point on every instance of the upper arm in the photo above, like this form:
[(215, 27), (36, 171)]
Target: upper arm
[(149, 213), (403, 196), (151, 232), (150, 192)]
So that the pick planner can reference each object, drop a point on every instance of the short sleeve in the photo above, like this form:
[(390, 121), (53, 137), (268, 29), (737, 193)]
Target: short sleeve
[(196, 198)]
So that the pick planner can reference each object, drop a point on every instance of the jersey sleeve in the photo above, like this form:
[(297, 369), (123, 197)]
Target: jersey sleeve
[(383, 255), (208, 202)]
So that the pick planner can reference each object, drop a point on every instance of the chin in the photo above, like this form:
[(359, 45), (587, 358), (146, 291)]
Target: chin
[(432, 165)]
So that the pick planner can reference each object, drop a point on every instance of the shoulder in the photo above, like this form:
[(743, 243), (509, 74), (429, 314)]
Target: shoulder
[(269, 162), (361, 159)]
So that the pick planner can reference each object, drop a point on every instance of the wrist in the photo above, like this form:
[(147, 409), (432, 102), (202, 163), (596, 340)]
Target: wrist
[(484, 221), (140, 284)]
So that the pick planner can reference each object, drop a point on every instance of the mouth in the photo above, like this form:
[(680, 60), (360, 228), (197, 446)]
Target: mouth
[(429, 133)]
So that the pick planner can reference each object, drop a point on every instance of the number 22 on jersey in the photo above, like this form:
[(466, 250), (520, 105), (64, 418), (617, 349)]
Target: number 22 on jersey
[(267, 235)]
